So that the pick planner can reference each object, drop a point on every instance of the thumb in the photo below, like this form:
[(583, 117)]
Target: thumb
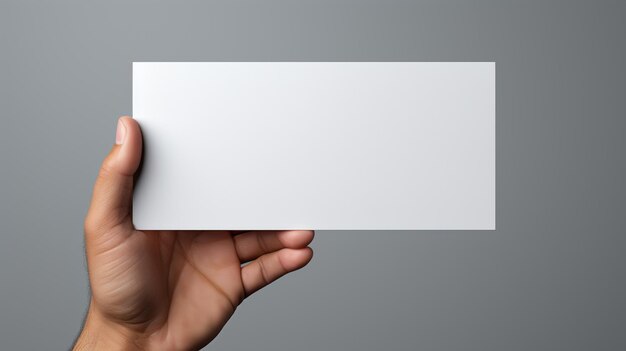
[(111, 202)]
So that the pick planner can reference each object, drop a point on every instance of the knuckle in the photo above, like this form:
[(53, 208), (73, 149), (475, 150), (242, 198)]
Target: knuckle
[(106, 168), (263, 273), (96, 225), (261, 242), (91, 225)]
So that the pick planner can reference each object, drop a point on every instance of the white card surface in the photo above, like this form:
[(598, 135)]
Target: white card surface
[(315, 145)]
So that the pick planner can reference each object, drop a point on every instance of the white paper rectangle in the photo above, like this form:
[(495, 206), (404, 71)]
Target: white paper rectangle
[(316, 145)]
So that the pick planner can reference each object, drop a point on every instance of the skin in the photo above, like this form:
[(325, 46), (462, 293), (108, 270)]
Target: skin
[(168, 290)]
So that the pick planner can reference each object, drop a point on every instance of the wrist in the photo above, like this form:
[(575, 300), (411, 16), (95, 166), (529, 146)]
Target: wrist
[(99, 333)]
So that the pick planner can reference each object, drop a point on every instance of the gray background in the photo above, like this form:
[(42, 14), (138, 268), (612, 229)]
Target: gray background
[(550, 278)]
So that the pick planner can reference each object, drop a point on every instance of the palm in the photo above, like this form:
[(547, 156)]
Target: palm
[(179, 286), (204, 282)]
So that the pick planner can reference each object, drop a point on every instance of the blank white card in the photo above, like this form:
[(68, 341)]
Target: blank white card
[(315, 145)]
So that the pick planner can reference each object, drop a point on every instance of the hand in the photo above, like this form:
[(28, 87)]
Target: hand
[(171, 290)]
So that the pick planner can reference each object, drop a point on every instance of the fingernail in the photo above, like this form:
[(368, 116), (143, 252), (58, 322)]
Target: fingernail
[(120, 134)]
